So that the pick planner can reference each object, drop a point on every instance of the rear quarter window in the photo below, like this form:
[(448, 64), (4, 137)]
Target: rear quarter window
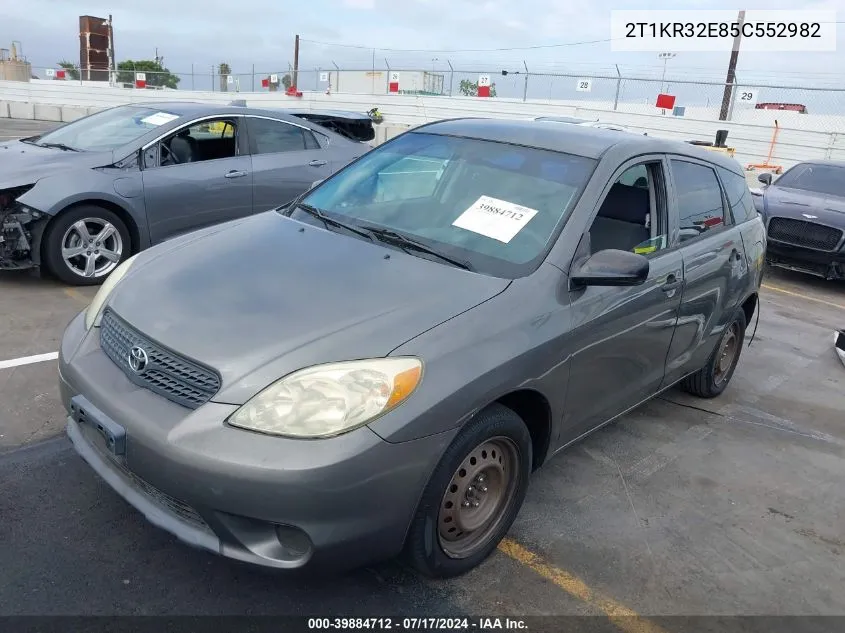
[(739, 196)]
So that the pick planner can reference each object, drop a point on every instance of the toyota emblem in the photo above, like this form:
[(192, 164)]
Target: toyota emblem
[(138, 359)]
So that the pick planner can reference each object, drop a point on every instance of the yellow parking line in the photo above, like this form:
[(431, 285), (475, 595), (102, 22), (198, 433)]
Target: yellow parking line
[(803, 296), (75, 294), (623, 617)]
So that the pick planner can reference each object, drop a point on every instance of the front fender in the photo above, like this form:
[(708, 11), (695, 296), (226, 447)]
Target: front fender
[(53, 193)]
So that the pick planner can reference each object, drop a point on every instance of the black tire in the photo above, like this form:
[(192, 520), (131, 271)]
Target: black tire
[(711, 380), (424, 548), (58, 232)]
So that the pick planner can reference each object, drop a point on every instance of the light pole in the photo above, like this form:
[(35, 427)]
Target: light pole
[(665, 57)]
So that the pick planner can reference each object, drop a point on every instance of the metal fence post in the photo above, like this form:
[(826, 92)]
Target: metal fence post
[(451, 75), (337, 87), (387, 78), (618, 87), (525, 89), (253, 78), (192, 77)]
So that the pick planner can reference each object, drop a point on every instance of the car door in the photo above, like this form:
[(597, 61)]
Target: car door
[(197, 176), (286, 160), (623, 334), (715, 267)]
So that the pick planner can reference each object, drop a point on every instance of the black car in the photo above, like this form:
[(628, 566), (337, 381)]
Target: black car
[(804, 214)]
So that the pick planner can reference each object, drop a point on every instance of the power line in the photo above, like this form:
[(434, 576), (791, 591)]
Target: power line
[(459, 50)]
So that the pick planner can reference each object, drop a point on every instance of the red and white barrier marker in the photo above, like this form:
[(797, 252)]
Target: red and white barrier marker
[(393, 84), (140, 80), (484, 86)]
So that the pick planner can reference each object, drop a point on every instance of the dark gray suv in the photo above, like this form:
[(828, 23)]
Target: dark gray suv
[(408, 341)]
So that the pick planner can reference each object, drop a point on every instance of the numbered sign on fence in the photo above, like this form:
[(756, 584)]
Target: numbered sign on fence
[(274, 79), (50, 72), (484, 85), (393, 84), (140, 80), (324, 76), (746, 97), (584, 85)]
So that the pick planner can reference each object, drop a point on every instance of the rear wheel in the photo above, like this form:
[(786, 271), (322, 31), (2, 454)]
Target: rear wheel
[(84, 245), (712, 379), (473, 496)]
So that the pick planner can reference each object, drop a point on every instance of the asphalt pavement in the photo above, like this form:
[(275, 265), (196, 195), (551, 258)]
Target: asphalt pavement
[(11, 129)]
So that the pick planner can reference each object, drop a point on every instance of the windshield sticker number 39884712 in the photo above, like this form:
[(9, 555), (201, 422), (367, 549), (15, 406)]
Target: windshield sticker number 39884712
[(497, 219)]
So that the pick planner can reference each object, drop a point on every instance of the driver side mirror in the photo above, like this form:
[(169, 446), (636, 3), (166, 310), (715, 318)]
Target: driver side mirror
[(765, 178), (612, 268)]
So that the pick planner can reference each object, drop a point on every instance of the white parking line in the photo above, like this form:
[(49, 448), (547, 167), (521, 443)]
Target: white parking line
[(28, 360)]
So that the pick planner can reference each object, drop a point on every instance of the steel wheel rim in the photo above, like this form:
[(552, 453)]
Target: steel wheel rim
[(727, 354), (481, 488), (92, 247)]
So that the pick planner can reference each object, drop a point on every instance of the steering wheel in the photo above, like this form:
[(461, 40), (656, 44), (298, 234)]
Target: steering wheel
[(170, 155)]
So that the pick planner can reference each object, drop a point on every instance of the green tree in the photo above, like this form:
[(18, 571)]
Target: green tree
[(470, 88), (287, 80), (157, 75), (224, 73), (70, 67)]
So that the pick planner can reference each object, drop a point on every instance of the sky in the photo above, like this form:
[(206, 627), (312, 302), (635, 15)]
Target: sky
[(350, 33)]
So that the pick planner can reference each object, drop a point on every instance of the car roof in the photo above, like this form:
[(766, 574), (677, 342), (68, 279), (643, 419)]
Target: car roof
[(193, 108), (581, 140)]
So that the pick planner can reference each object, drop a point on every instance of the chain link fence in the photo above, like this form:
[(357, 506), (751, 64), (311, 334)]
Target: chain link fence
[(805, 107)]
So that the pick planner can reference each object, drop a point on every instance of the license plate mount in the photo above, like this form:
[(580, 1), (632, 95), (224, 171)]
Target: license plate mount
[(86, 414)]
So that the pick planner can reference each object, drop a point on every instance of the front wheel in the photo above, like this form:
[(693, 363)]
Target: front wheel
[(82, 246), (712, 379), (473, 496)]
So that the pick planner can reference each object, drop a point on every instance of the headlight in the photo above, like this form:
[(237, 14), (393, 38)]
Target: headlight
[(94, 312), (331, 399)]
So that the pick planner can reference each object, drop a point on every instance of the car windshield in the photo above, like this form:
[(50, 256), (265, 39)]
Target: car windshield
[(824, 179), (493, 205), (107, 130)]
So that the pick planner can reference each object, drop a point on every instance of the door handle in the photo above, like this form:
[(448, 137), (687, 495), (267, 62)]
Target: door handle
[(318, 162), (235, 174), (671, 283)]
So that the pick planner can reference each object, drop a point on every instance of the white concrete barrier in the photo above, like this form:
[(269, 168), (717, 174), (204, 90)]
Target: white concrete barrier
[(45, 112), (72, 113), (18, 110), (4, 110)]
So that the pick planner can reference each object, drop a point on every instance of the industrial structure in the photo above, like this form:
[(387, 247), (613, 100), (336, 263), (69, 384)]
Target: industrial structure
[(13, 66), (96, 48)]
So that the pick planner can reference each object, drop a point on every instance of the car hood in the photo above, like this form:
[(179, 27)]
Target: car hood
[(24, 164), (269, 295), (794, 203)]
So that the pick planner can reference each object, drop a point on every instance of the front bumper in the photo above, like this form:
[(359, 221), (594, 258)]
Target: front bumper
[(276, 502), (827, 264)]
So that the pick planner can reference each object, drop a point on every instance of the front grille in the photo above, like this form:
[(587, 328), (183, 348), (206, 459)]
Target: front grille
[(807, 234), (176, 378)]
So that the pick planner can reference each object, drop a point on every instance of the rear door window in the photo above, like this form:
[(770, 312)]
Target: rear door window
[(739, 196), (700, 203)]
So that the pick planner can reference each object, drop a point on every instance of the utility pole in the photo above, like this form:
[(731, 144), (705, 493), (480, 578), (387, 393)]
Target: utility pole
[(731, 78), (295, 81)]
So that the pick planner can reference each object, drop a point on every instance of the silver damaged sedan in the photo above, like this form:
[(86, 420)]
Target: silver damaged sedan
[(378, 367)]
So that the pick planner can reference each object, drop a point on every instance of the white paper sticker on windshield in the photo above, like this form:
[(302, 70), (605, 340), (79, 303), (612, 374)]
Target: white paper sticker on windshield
[(159, 118), (494, 218)]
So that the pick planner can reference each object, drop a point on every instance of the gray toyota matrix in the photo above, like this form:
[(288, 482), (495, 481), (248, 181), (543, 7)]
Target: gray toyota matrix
[(378, 368)]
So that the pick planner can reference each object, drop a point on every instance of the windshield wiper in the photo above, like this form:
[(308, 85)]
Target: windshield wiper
[(67, 148), (398, 239), (317, 213)]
